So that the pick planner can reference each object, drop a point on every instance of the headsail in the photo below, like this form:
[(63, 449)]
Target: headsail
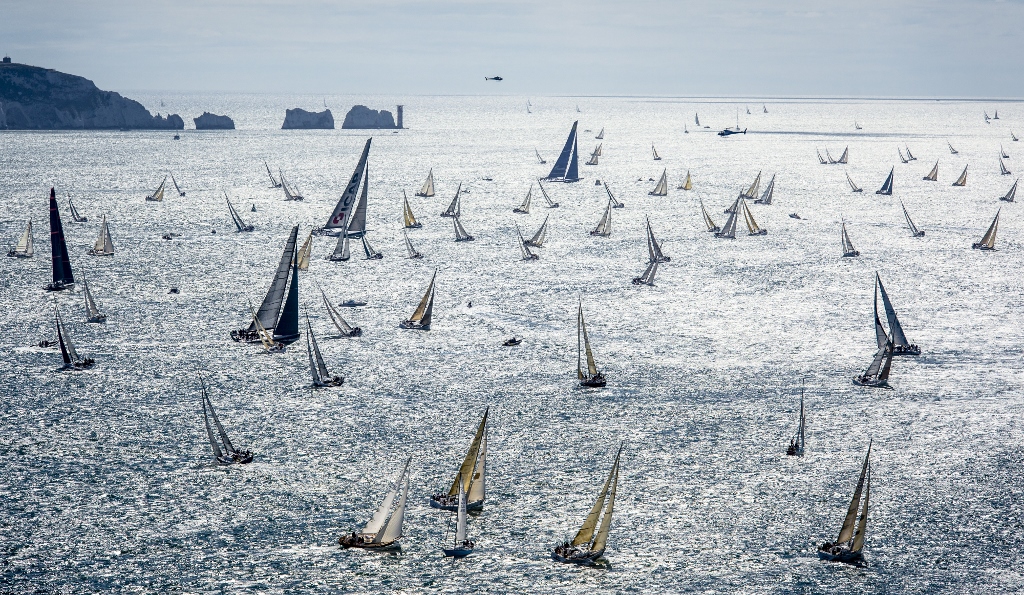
[(846, 532), (304, 252), (467, 470), (428, 185), (24, 247), (687, 183), (271, 306), (566, 167), (377, 520), (393, 529)]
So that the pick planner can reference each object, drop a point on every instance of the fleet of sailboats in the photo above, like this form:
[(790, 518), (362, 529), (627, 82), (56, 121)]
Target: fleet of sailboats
[(384, 529), (471, 478), (591, 376), (24, 247), (421, 318), (591, 540), (849, 545)]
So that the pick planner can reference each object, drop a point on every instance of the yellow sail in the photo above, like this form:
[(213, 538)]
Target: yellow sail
[(422, 307), (606, 522), (862, 525), (688, 184), (304, 253), (407, 217), (846, 533), (586, 532), (468, 467)]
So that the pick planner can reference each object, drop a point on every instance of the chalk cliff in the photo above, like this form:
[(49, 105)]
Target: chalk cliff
[(209, 121), (301, 119), (361, 116)]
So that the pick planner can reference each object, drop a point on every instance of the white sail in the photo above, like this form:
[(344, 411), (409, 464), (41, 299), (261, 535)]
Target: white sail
[(92, 312), (551, 204), (752, 227), (460, 232), (662, 188), (428, 185), (755, 188), (853, 186), (340, 323), (455, 208), (845, 157), (611, 197), (158, 194), (524, 249), (393, 529), (525, 207), (1008, 197), (24, 248), (962, 180), (768, 194), (538, 239), (848, 249), (687, 183), (377, 520), (176, 187), (461, 530), (478, 485), (304, 253), (934, 174), (655, 152), (601, 539), (604, 226), (412, 253)]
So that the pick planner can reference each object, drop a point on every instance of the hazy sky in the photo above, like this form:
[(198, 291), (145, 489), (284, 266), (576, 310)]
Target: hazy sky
[(969, 48)]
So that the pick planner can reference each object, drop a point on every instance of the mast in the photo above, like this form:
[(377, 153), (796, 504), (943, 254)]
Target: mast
[(61, 264), (271, 306), (339, 218)]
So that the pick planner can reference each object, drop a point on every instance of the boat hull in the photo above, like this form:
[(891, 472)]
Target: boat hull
[(83, 364), (851, 254), (595, 381), (413, 326), (844, 555), (574, 556), (465, 239), (358, 542), (286, 339), (100, 318), (474, 505), (16, 254), (57, 286), (336, 381), (906, 350), (416, 225), (458, 552), (860, 381), (983, 247)]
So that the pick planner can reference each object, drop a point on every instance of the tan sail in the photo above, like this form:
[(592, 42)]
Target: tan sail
[(687, 184), (862, 524), (989, 240), (428, 186), (606, 522), (934, 174), (962, 180), (752, 225), (707, 218), (304, 253), (408, 219), (846, 533), (586, 532), (478, 486), (582, 332), (467, 469), (428, 299), (754, 188)]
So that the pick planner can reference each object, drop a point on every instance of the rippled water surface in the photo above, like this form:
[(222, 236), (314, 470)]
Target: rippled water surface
[(106, 482)]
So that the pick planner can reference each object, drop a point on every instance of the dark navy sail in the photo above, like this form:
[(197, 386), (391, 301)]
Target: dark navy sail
[(566, 168), (271, 306), (886, 188), (287, 329), (62, 276)]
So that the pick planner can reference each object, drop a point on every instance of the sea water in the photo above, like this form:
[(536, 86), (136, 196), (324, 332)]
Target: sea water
[(108, 484)]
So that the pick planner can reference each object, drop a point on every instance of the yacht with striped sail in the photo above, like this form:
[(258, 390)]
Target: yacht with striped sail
[(322, 377), (896, 336), (1008, 197), (72, 360), (914, 231), (461, 545), (461, 235), (951, 149), (291, 192), (384, 529), (768, 194), (421, 318), (339, 322), (408, 219), (853, 187), (796, 443), (427, 189), (604, 226), (103, 245), (566, 168), (240, 224), (933, 176), (647, 277), (849, 545), (661, 189), (270, 310), (886, 188), (877, 374), (75, 216), (654, 252), (25, 246), (712, 228), (538, 239), (687, 183), (728, 231), (962, 180), (655, 151), (455, 208), (92, 312), (524, 209), (342, 215), (589, 545), (848, 249), (224, 453), (551, 204), (158, 194), (591, 377), (988, 241), (411, 252), (524, 248), (1002, 168), (273, 183), (753, 229), (176, 187), (62, 277), (611, 197), (471, 478)]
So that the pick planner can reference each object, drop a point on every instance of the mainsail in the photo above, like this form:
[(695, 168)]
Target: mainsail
[(583, 347), (538, 239), (729, 229), (455, 208), (566, 168), (339, 219), (887, 185), (913, 228), (287, 328), (662, 188), (273, 183), (472, 469), (176, 187), (271, 307), (1008, 197), (103, 246), (896, 334), (585, 537), (61, 265), (934, 174), (240, 224), (845, 157), (769, 192), (752, 227), (428, 185), (421, 317), (24, 247), (408, 219), (846, 533), (654, 252), (604, 226), (962, 180)]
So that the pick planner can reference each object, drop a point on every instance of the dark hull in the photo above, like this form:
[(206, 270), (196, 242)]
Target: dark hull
[(59, 286), (586, 558), (595, 381), (861, 381), (454, 507), (413, 326)]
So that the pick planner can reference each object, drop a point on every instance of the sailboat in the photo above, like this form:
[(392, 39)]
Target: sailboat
[(588, 546), (856, 125), (996, 115), (317, 368), (270, 310), (655, 151), (368, 250), (886, 188), (304, 253), (604, 226), (408, 219), (595, 155), (341, 250), (988, 241), (897, 338), (611, 197), (61, 264), (471, 477), (769, 192), (662, 188), (566, 168), (427, 189), (412, 253), (845, 157), (685, 130), (1002, 153), (1013, 137), (712, 228), (24, 247), (1002, 168), (460, 232), (290, 192), (821, 159), (75, 216), (729, 230), (849, 546), (551, 204), (240, 224), (224, 453), (696, 120), (877, 374), (578, 108), (176, 187), (341, 217), (765, 108), (158, 194), (420, 319), (591, 377), (382, 532), (987, 118), (525, 207), (455, 208), (962, 180), (528, 108), (92, 313), (273, 183), (753, 228), (1008, 197), (654, 252), (828, 157), (103, 246), (539, 158), (461, 546), (848, 249), (933, 176), (524, 248), (538, 239), (340, 323), (915, 232), (647, 277), (853, 187), (910, 156), (902, 158), (687, 183), (600, 135), (951, 149), (264, 336), (753, 190), (72, 361), (796, 443)]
